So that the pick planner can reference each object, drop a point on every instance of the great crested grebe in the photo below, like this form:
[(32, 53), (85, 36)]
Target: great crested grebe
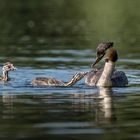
[(107, 76), (5, 69), (45, 81)]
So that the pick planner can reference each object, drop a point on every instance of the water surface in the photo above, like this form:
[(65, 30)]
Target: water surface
[(58, 39)]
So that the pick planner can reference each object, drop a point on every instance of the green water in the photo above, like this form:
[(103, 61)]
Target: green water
[(57, 39)]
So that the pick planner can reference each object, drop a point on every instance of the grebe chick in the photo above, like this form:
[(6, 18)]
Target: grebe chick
[(5, 69), (45, 81), (107, 76)]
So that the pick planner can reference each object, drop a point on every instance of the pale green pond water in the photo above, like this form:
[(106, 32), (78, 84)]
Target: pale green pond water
[(57, 39)]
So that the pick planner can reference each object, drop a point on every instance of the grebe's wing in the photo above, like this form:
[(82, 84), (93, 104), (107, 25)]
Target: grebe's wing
[(92, 77)]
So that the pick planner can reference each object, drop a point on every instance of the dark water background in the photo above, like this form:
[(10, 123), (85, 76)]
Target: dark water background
[(57, 38)]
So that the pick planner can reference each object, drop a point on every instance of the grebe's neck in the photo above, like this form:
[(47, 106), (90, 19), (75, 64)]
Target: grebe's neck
[(105, 79), (5, 76)]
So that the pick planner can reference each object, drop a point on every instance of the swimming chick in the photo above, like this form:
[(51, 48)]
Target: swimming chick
[(108, 76), (45, 81), (5, 69)]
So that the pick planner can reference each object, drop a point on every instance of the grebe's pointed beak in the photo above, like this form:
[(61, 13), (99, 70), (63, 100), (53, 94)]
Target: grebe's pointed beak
[(97, 60), (14, 68), (101, 51)]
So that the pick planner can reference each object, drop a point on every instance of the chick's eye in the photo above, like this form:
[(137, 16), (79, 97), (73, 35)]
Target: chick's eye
[(8, 67)]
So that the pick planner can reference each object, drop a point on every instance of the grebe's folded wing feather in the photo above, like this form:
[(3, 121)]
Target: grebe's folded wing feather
[(92, 77), (119, 79)]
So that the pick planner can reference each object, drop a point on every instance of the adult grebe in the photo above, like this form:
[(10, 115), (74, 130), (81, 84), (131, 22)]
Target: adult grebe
[(107, 76), (6, 68), (45, 81)]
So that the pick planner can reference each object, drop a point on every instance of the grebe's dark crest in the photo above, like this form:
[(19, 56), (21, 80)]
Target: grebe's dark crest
[(5, 69), (45, 81), (107, 76)]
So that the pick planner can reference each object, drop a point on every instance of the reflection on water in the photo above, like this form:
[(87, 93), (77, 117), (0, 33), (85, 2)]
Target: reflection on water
[(99, 112), (57, 39), (106, 103)]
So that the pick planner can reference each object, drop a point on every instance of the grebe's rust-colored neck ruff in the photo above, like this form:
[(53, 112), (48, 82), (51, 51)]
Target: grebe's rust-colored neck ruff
[(107, 76), (5, 70), (45, 81)]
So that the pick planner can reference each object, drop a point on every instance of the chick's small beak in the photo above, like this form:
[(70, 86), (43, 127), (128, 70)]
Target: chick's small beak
[(14, 68)]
